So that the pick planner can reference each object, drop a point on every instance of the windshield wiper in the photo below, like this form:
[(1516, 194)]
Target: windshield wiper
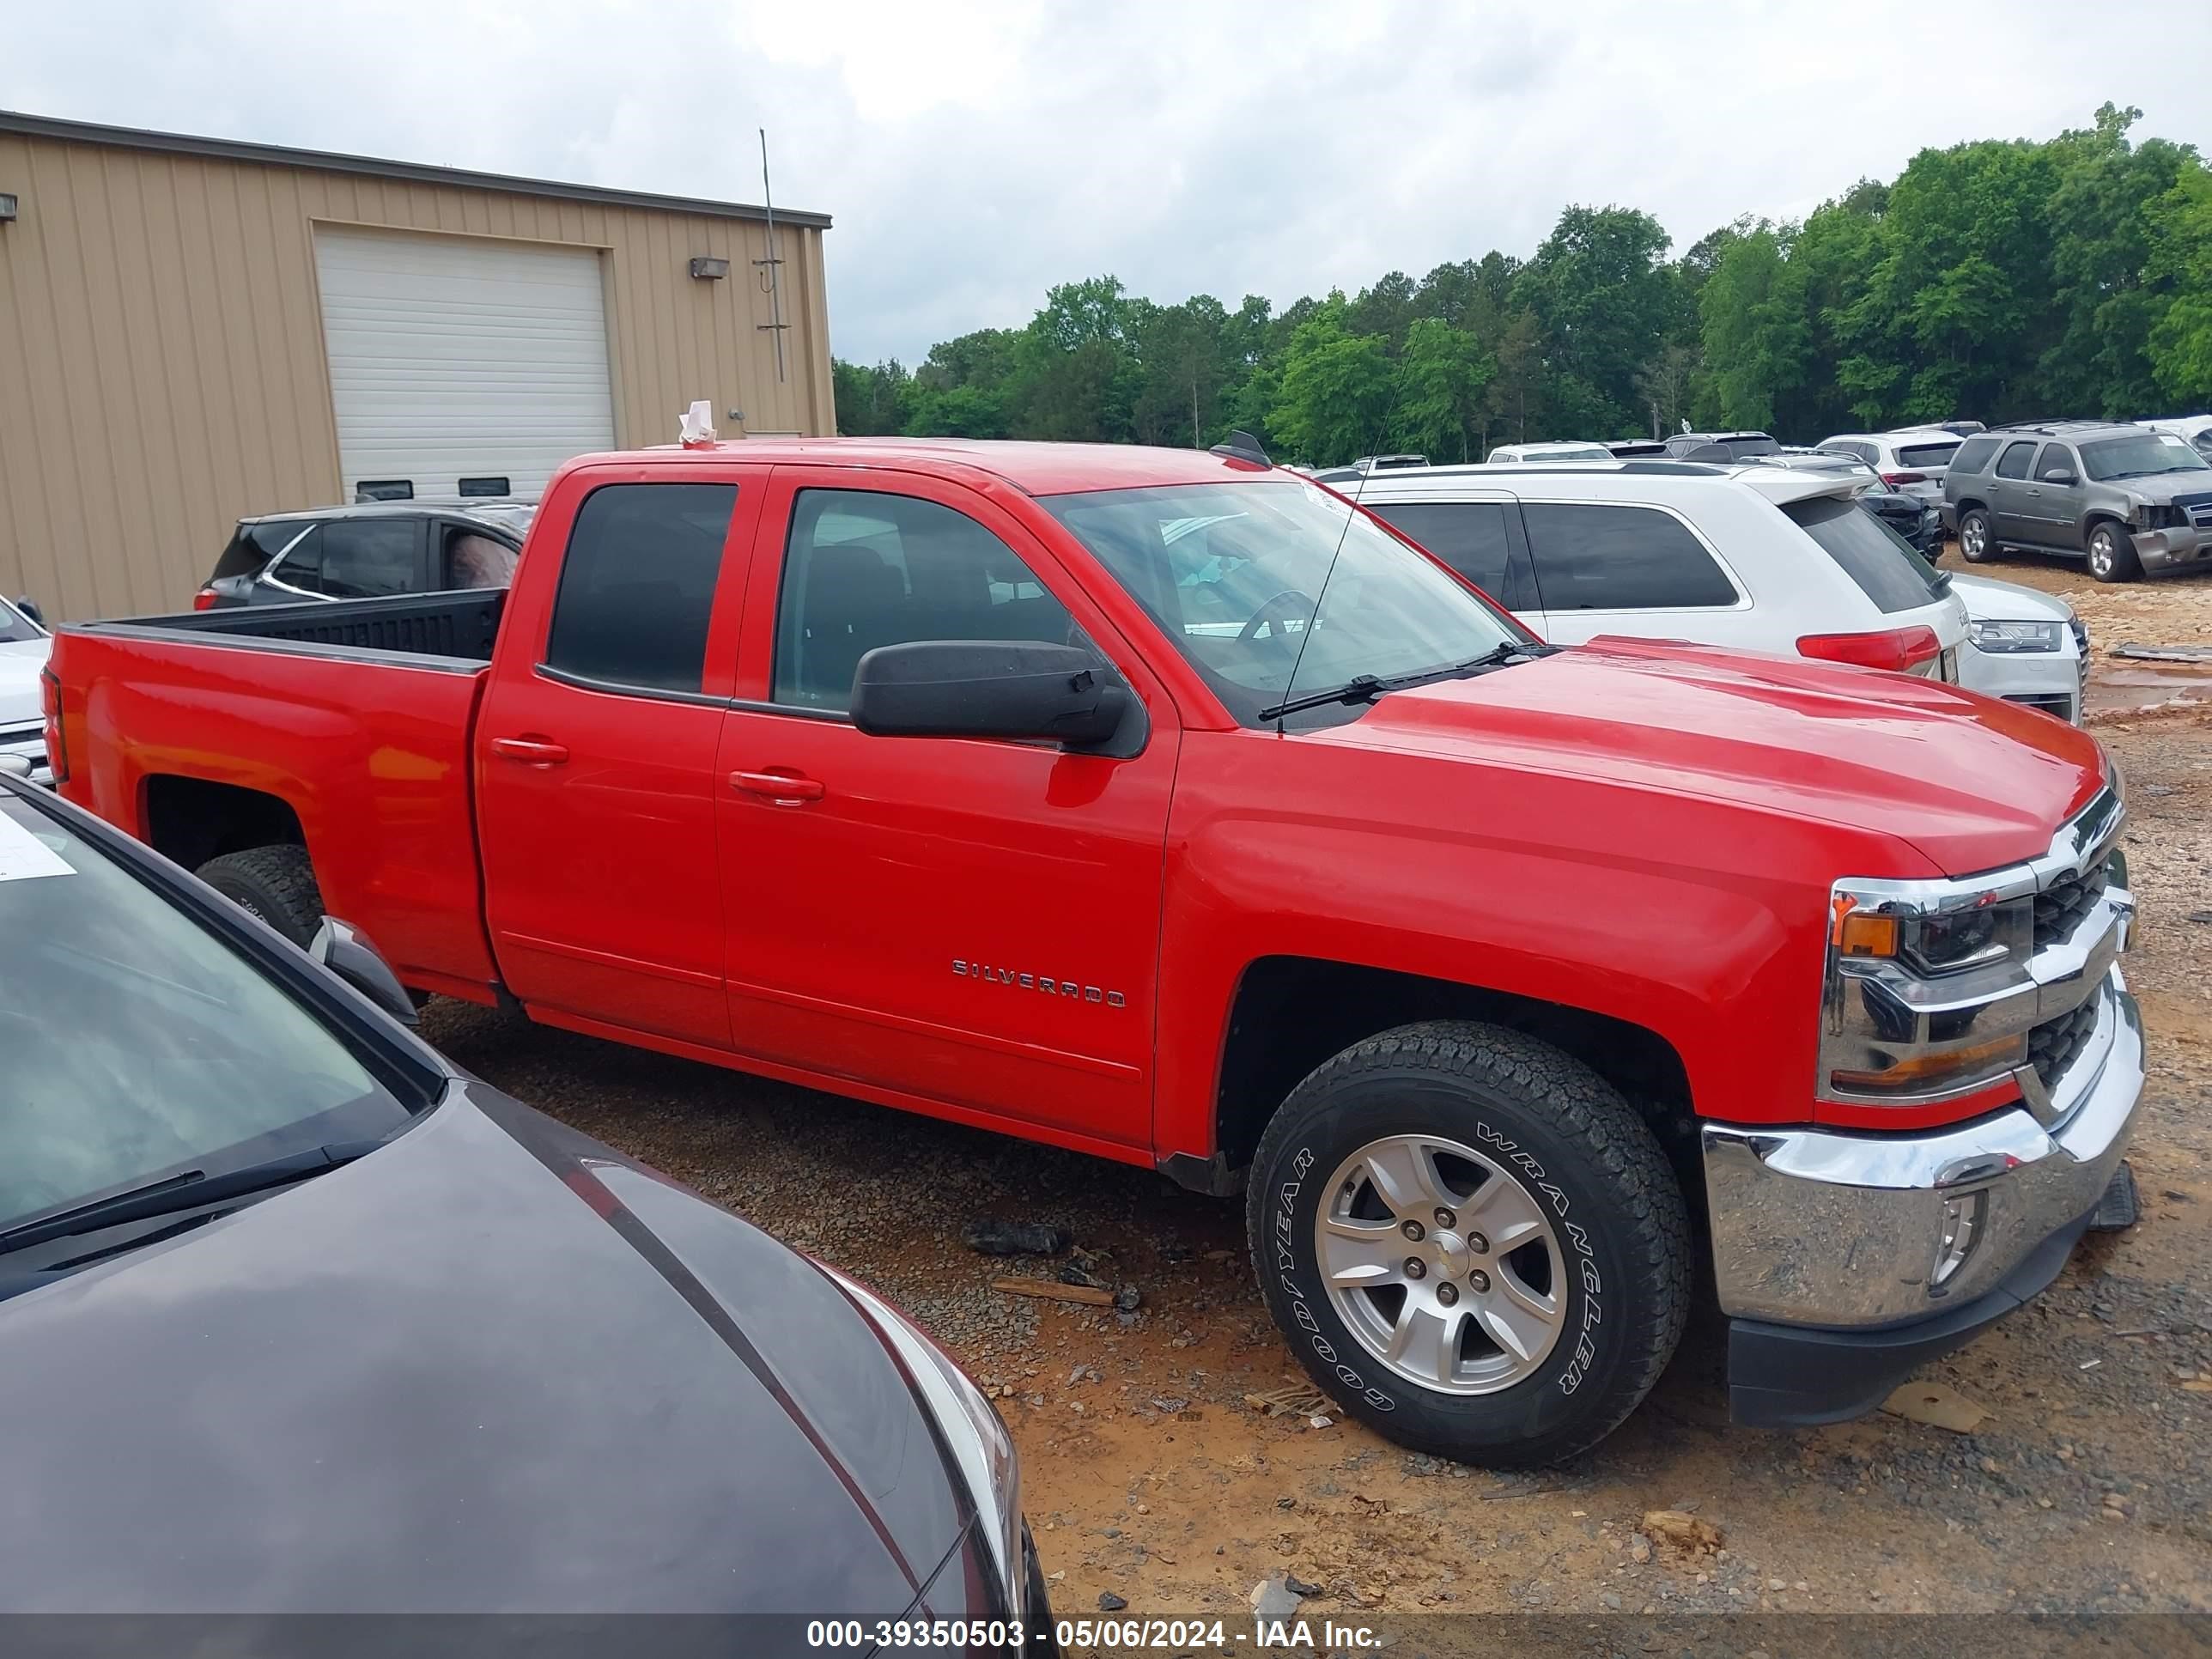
[(1366, 688), (188, 1191)]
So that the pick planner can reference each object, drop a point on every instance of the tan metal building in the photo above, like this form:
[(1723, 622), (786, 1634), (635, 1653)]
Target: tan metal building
[(192, 330)]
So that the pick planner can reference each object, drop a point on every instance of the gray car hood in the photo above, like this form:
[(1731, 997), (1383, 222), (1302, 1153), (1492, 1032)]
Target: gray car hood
[(491, 1366)]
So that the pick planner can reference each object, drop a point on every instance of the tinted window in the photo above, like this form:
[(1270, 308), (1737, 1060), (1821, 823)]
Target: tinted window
[(302, 567), (254, 545), (1468, 536), (1872, 555), (372, 558), (2013, 464), (1938, 454), (1741, 447), (863, 569), (476, 560), (637, 584), (1864, 451), (1973, 455), (2203, 442), (14, 629), (2056, 458), (1591, 557)]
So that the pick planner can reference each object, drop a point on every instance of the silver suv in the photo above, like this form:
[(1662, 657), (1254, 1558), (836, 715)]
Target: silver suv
[(2126, 499)]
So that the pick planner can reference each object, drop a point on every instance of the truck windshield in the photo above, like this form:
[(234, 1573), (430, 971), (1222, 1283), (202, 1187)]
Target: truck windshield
[(1231, 573), (15, 627), (136, 1045), (2114, 458)]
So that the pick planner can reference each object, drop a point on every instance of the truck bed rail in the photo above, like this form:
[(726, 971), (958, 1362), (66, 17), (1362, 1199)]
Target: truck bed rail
[(458, 625)]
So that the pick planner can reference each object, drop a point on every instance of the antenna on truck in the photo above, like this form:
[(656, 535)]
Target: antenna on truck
[(771, 277)]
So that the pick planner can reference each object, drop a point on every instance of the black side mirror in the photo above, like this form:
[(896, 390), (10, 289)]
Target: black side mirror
[(345, 951), (29, 608), (987, 688), (2059, 475)]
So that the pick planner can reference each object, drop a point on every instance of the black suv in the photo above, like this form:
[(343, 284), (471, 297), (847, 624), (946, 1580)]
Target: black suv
[(372, 549)]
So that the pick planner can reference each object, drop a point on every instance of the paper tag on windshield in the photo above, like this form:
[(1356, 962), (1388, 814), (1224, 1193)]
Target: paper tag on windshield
[(23, 855)]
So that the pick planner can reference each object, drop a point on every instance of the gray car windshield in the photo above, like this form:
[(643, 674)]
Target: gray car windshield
[(15, 627), (135, 1044), (1232, 572), (2111, 459)]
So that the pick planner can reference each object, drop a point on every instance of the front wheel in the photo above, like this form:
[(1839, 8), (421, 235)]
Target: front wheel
[(2113, 554), (1472, 1242)]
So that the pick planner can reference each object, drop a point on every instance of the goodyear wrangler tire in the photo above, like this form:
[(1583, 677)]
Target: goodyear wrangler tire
[(276, 884), (1472, 1242)]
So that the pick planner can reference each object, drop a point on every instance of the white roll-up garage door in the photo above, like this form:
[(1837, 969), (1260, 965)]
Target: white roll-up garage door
[(454, 358)]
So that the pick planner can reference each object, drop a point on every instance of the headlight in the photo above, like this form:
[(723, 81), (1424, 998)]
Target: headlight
[(972, 1424), (1921, 996), (2013, 636), (2161, 515)]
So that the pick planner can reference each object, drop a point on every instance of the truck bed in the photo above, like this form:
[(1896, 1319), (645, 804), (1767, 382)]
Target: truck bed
[(457, 626), (354, 718)]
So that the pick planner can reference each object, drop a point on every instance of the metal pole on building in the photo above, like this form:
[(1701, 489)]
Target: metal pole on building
[(774, 263)]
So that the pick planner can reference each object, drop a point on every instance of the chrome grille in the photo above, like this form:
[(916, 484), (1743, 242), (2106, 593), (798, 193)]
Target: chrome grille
[(2057, 1043), (2061, 906)]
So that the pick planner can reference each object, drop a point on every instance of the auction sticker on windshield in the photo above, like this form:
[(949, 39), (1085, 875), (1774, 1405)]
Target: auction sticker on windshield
[(23, 855)]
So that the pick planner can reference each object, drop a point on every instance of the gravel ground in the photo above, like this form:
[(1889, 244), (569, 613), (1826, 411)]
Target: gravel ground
[(2086, 1488)]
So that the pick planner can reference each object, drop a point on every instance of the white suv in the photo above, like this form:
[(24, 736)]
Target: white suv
[(1912, 458), (1666, 550)]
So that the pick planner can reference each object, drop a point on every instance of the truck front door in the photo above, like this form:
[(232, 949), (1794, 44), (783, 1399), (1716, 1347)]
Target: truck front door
[(595, 754), (964, 927)]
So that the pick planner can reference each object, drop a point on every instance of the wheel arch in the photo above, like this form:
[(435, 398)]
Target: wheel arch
[(189, 820), (1291, 1014)]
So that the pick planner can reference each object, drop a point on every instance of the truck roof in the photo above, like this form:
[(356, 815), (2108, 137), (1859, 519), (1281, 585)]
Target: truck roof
[(1035, 469)]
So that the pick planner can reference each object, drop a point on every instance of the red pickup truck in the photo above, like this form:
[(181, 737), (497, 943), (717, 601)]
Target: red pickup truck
[(1164, 805)]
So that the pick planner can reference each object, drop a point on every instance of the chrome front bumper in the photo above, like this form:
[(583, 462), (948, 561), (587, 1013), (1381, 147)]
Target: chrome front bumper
[(28, 744), (1839, 1230)]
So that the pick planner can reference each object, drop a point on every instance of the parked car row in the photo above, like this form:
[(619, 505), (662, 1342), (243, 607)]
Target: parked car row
[(1037, 787)]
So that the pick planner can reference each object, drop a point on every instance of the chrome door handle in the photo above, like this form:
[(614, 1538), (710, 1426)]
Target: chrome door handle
[(531, 751), (786, 788)]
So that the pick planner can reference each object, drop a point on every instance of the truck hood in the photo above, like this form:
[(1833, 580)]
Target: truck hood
[(1996, 601), (1970, 782), (493, 1366), (2165, 487), (20, 662)]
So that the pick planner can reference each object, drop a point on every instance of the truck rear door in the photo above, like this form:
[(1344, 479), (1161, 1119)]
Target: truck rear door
[(595, 755), (966, 926)]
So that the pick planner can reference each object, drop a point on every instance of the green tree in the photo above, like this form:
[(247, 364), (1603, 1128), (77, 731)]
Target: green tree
[(1757, 337), (2180, 254), (2100, 251), (1442, 374), (1603, 301), (1334, 396), (871, 399)]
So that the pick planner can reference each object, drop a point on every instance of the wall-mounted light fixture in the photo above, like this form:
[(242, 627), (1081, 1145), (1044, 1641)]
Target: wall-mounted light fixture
[(6, 207), (712, 270)]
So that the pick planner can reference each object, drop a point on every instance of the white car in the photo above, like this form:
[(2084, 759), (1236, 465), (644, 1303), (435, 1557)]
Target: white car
[(1553, 451), (2023, 645), (1661, 550), (2197, 428), (23, 648), (1912, 458)]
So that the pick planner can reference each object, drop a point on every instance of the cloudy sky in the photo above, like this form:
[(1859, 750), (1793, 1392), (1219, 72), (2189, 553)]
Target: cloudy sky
[(973, 156)]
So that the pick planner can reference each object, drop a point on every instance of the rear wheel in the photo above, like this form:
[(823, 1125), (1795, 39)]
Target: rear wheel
[(276, 884), (1975, 543), (1472, 1242), (2112, 553)]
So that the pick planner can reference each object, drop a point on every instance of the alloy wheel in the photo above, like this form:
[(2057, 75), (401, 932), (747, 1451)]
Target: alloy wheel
[(1441, 1264)]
